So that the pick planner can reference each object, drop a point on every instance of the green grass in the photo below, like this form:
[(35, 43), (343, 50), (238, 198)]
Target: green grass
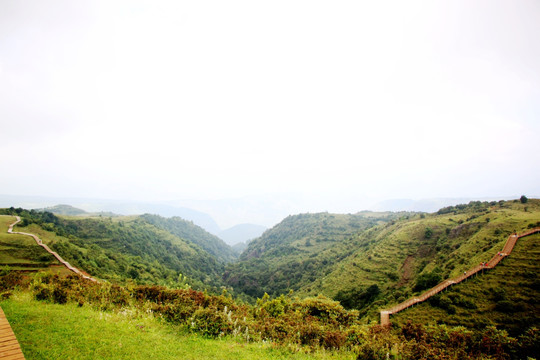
[(51, 331), (392, 256), (20, 251), (506, 296)]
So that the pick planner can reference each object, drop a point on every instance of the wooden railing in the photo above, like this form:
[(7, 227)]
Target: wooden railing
[(507, 249)]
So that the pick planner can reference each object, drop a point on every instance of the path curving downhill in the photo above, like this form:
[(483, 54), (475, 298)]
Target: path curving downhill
[(53, 253), (497, 258)]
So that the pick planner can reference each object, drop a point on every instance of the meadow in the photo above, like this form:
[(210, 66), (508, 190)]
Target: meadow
[(53, 331)]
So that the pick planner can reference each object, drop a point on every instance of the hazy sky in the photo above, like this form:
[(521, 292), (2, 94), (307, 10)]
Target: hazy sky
[(155, 100)]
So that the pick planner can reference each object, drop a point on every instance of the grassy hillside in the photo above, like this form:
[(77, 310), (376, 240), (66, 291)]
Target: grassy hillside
[(79, 319), (406, 257), (187, 230), (20, 252), (506, 296), (53, 331), (124, 248), (369, 263), (73, 211), (299, 251)]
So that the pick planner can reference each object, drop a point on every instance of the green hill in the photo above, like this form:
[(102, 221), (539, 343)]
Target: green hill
[(19, 252), (299, 251), (506, 296), (367, 261), (404, 258), (376, 261), (124, 248), (69, 210), (189, 231)]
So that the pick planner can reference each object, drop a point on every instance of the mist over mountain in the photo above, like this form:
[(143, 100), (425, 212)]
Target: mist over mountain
[(241, 233), (120, 207), (429, 204)]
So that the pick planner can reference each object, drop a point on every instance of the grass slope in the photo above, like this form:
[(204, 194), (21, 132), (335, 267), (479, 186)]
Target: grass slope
[(20, 252), (298, 252), (371, 261), (124, 248), (189, 231), (506, 296), (52, 331), (406, 257)]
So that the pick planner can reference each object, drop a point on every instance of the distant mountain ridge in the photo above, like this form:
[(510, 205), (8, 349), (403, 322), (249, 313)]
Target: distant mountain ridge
[(108, 207), (241, 233), (69, 210)]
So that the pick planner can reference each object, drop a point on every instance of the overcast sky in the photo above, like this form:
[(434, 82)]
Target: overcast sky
[(157, 100)]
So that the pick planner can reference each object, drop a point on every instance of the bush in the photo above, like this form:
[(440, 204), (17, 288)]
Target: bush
[(10, 279), (211, 322), (505, 306), (59, 296), (334, 339), (427, 280)]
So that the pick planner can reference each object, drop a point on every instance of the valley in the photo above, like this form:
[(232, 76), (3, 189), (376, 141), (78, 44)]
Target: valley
[(333, 273)]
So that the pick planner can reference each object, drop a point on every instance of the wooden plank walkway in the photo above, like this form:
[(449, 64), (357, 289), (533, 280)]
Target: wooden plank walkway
[(53, 253), (9, 346), (508, 247)]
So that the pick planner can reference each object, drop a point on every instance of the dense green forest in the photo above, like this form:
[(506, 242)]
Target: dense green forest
[(188, 231), (378, 262), (299, 251), (128, 248)]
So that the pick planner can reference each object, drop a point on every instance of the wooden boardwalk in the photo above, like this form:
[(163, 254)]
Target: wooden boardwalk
[(507, 249), (9, 346), (53, 253)]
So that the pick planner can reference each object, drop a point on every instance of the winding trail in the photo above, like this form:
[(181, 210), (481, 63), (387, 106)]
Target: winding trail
[(58, 257), (497, 258)]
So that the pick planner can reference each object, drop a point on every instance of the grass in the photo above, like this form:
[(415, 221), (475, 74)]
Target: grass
[(20, 251), (392, 256), (52, 331), (506, 296)]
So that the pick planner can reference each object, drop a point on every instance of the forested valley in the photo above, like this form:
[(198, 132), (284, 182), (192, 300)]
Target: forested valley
[(315, 280)]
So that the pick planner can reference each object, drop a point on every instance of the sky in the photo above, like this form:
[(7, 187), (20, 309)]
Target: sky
[(324, 100)]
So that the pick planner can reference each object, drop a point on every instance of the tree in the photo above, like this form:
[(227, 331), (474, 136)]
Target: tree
[(523, 199)]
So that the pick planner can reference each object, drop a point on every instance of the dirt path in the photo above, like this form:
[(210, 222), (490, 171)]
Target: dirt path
[(507, 249), (40, 243)]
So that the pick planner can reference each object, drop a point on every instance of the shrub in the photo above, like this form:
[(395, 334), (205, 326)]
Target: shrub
[(427, 280), (334, 339), (59, 296), (42, 293), (505, 306), (211, 322), (428, 233), (10, 279)]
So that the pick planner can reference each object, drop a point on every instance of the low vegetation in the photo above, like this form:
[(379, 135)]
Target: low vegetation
[(123, 249), (328, 277), (310, 325), (505, 297), (298, 252)]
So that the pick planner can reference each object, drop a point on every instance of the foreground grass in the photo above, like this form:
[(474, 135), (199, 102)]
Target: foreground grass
[(51, 331)]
